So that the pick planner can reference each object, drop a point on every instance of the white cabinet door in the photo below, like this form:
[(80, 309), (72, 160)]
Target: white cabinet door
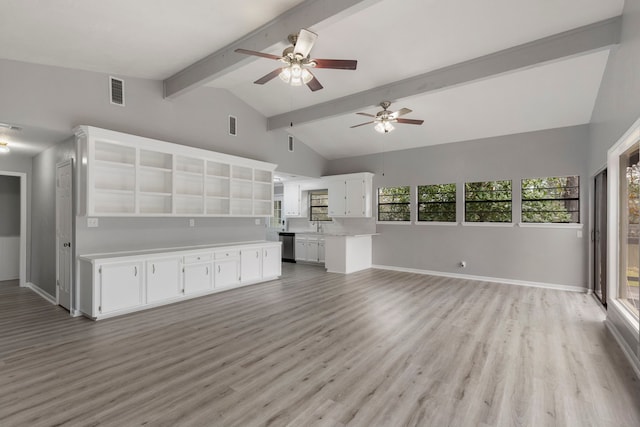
[(250, 265), (301, 249), (120, 286), (337, 194), (164, 279), (355, 198), (271, 262), (197, 277), (227, 272), (291, 200), (312, 250), (321, 250)]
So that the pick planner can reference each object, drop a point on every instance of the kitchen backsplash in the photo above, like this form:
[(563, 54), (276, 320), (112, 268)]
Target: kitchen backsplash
[(336, 226)]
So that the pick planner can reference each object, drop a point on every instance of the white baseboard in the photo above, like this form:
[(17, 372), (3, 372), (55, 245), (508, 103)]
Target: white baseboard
[(544, 285), (628, 351), (35, 288)]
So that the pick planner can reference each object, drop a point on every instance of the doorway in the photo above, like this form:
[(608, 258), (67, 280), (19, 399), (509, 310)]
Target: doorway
[(600, 237), (64, 231), (16, 245)]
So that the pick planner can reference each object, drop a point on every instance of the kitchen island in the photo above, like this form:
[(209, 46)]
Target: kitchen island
[(347, 253)]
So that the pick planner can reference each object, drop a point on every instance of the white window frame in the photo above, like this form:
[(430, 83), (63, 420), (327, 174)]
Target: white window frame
[(405, 222)]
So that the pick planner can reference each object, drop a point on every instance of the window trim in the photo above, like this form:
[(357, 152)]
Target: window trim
[(311, 206), (455, 205), (404, 221), (522, 201)]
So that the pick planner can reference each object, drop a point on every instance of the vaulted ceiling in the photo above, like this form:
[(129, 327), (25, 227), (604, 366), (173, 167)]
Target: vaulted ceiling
[(471, 69)]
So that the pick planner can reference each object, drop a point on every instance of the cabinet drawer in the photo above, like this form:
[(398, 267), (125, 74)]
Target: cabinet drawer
[(190, 259), (226, 254)]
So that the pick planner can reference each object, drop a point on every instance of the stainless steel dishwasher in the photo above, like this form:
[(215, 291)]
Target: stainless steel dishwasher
[(288, 246)]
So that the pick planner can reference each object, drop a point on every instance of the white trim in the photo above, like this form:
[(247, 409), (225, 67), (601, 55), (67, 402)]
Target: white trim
[(439, 223), (487, 224), (573, 226), (394, 222), (38, 290), (544, 285), (628, 351), (624, 313), (23, 224)]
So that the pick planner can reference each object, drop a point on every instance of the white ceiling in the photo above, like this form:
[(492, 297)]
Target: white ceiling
[(391, 40)]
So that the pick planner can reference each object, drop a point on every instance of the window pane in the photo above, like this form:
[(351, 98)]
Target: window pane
[(437, 202), (487, 201), (629, 224), (394, 203), (551, 200), (319, 206)]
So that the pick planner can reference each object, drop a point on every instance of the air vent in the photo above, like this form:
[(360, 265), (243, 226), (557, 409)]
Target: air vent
[(116, 91), (233, 126), (291, 143)]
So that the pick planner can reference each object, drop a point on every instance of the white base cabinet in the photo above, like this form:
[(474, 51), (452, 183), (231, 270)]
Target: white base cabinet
[(309, 248), (114, 284)]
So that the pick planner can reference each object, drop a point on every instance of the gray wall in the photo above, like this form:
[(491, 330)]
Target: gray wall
[(546, 255), (59, 99), (617, 108), (9, 206)]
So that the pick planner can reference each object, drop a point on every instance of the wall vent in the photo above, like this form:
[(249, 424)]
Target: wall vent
[(233, 126), (116, 91), (290, 140)]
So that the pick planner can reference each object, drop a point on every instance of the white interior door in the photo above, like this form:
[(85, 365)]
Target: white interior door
[(64, 213)]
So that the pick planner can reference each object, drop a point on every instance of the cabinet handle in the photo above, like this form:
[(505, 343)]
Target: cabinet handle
[(153, 268), (218, 268), (257, 254), (207, 270), (135, 269)]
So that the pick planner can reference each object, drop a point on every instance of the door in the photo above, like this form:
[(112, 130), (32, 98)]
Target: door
[(120, 286), (64, 217), (355, 197), (163, 279), (321, 250), (250, 265), (301, 249), (226, 273), (312, 250), (271, 262), (197, 277), (337, 202), (600, 237)]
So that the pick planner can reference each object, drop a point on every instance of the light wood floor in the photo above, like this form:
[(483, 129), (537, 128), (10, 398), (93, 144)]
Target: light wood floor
[(374, 348)]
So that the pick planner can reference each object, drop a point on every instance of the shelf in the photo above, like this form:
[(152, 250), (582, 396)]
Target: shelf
[(241, 207), (189, 196), (218, 169), (155, 203), (217, 206), (155, 169), (155, 181), (189, 164), (194, 174), (113, 202), (241, 189), (262, 176), (113, 165), (263, 207), (112, 191), (155, 159), (151, 193), (189, 184), (114, 153), (241, 172)]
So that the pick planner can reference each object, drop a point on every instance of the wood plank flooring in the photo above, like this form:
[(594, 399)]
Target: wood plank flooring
[(374, 348)]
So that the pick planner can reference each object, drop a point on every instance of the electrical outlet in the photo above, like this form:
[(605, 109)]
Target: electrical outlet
[(463, 264), (192, 222), (257, 221), (92, 222)]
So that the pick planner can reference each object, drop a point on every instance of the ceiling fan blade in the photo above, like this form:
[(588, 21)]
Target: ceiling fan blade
[(262, 80), (306, 40), (314, 84), (261, 54), (363, 124), (400, 112), (338, 64), (409, 121), (366, 114)]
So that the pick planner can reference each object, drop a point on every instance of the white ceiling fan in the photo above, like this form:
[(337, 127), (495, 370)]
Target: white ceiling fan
[(384, 119), (297, 63)]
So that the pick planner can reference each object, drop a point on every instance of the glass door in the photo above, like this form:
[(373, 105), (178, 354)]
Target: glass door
[(600, 238)]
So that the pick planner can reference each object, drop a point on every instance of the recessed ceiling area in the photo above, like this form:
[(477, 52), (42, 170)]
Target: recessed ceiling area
[(393, 41)]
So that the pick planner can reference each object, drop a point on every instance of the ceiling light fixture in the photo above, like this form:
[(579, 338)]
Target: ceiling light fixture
[(384, 126), (295, 74), (4, 148), (384, 119), (10, 127)]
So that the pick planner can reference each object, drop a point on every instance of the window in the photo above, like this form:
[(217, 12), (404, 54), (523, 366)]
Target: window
[(319, 205), (487, 201), (551, 200), (630, 229), (276, 219), (437, 202), (394, 204)]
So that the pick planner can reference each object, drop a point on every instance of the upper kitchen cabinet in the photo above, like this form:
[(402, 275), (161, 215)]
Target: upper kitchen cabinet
[(292, 199), (350, 195), (128, 175)]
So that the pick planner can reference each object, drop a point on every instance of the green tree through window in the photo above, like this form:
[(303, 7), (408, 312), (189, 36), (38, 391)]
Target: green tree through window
[(394, 204), (487, 201), (551, 200), (437, 202)]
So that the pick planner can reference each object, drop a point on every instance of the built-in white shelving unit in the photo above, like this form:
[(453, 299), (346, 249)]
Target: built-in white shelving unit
[(129, 175)]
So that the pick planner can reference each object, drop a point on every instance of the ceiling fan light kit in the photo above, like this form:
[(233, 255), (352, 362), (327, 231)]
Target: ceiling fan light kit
[(297, 63), (4, 148), (384, 119)]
